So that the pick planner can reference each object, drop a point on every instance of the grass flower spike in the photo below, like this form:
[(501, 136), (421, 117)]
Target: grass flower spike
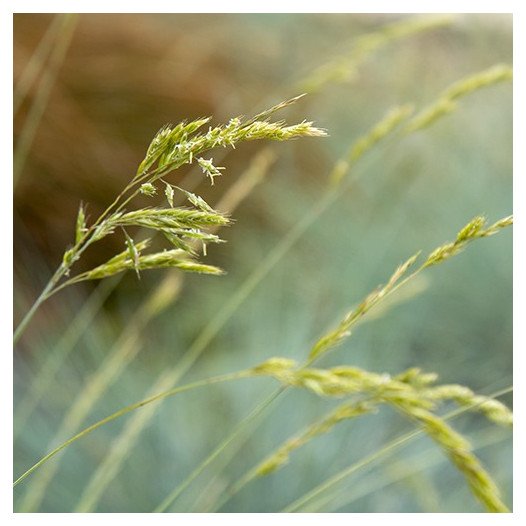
[(171, 148)]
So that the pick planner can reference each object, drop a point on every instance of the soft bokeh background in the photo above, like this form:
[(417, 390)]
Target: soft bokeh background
[(121, 78)]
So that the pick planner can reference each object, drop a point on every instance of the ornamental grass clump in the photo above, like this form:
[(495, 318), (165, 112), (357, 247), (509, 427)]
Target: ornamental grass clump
[(351, 391), (386, 128)]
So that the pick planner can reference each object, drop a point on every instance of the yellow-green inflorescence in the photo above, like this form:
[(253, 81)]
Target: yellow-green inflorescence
[(411, 392), (448, 100), (172, 147)]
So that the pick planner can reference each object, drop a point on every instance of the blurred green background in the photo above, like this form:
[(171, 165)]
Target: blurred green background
[(121, 78)]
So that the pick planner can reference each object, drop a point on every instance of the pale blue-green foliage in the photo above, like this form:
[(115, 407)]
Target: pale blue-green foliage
[(412, 195)]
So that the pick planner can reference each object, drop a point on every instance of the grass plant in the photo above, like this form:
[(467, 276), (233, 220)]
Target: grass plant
[(183, 231)]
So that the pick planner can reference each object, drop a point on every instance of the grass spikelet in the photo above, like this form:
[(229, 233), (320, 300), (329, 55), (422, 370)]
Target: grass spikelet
[(209, 169), (133, 252), (80, 226), (167, 218), (335, 382), (494, 410), (475, 229), (460, 452), (496, 227), (176, 258), (275, 366), (169, 193), (167, 141), (117, 263), (416, 378), (148, 189), (447, 101), (488, 77), (197, 201)]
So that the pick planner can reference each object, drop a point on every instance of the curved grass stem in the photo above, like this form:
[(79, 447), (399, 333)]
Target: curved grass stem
[(44, 295), (125, 410)]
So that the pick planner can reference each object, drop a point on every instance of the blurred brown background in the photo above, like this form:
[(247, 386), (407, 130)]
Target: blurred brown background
[(122, 78)]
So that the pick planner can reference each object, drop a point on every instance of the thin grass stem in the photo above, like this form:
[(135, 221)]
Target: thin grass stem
[(238, 430), (125, 410), (25, 140), (54, 360), (36, 62)]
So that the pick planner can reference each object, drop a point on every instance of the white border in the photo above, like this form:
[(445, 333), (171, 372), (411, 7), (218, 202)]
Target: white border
[(268, 6), (518, 8)]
